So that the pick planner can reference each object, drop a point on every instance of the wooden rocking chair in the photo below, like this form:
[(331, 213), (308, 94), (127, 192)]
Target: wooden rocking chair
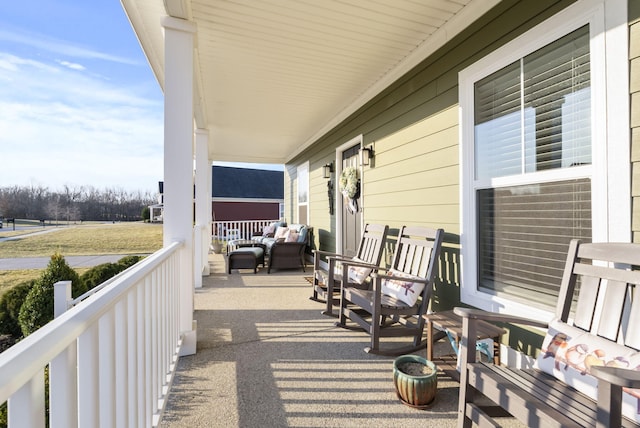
[(327, 283), (399, 298)]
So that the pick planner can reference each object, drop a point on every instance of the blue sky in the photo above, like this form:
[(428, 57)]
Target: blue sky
[(79, 105)]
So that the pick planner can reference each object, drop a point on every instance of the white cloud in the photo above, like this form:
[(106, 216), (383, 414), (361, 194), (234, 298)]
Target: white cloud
[(72, 65), (59, 125), (61, 47)]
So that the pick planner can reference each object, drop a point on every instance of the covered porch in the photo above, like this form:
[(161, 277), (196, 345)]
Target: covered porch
[(266, 356)]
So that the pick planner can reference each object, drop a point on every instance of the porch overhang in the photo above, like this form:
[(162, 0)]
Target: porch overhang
[(271, 77)]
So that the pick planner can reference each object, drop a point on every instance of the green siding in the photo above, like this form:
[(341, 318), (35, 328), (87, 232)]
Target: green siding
[(413, 126)]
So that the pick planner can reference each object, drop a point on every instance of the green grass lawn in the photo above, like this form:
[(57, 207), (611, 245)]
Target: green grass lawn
[(89, 239), (79, 240)]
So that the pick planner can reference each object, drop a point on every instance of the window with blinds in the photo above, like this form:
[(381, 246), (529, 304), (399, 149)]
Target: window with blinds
[(532, 116)]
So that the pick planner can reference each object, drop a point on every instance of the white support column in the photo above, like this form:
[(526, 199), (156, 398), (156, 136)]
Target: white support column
[(203, 205), (178, 159)]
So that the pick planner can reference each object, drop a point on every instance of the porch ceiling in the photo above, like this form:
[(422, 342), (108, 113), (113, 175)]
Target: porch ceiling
[(272, 76)]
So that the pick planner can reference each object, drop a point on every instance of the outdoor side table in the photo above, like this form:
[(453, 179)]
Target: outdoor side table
[(449, 322)]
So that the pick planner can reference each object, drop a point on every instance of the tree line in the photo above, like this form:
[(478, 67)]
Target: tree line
[(74, 203)]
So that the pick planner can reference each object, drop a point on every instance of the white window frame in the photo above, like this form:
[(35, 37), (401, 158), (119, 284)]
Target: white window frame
[(302, 170), (610, 170)]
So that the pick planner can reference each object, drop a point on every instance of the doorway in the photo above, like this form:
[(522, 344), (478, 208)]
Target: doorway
[(349, 221)]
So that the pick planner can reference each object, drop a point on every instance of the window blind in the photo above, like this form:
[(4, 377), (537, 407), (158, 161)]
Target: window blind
[(524, 234), (535, 113)]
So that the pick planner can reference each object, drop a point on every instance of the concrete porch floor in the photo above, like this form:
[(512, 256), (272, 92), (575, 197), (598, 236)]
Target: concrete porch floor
[(266, 356)]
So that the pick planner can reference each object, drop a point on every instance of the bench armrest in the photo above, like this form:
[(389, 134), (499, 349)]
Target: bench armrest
[(347, 261), (616, 376), (478, 314)]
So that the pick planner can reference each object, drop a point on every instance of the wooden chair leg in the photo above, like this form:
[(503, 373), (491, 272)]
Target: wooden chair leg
[(429, 341)]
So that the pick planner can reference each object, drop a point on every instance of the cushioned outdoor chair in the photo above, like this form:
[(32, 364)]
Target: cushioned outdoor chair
[(328, 278), (399, 297), (287, 252)]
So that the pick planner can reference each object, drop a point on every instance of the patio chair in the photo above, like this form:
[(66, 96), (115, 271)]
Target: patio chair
[(288, 252), (395, 306), (327, 282)]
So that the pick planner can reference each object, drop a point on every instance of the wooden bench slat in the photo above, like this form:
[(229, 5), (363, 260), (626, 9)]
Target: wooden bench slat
[(586, 303), (614, 299), (575, 404), (612, 252), (597, 271), (632, 335), (514, 400)]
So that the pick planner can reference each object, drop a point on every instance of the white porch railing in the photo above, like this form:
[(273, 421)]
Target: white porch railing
[(112, 355), (240, 229)]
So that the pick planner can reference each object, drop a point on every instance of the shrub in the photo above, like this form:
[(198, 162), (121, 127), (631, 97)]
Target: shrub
[(37, 309), (6, 342), (100, 273), (10, 304), (128, 261)]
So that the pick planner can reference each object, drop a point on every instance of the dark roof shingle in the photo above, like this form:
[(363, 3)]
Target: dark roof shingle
[(229, 182)]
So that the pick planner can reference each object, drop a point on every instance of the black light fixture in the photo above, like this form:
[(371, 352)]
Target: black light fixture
[(327, 170), (366, 154)]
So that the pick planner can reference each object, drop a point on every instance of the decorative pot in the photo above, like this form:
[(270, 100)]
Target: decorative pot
[(216, 247), (417, 388)]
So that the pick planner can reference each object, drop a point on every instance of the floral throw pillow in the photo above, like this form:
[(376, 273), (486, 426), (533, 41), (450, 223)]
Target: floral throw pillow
[(358, 274), (402, 288), (568, 353)]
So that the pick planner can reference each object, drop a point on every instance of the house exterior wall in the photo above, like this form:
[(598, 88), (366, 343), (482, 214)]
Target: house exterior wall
[(413, 127), (634, 91), (233, 211)]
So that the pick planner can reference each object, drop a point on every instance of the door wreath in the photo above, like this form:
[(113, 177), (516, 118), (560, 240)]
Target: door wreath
[(350, 188)]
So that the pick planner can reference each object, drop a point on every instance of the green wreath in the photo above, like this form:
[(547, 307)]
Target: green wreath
[(349, 183)]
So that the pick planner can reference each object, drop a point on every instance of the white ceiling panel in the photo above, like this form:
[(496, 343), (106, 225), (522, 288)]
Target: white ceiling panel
[(274, 75)]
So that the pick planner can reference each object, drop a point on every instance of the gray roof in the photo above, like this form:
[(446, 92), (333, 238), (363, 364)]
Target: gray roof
[(229, 182)]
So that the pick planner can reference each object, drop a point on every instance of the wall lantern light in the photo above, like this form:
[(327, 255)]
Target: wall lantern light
[(327, 170), (366, 154)]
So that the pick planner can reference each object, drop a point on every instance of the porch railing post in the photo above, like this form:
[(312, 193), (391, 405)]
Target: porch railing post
[(26, 406), (63, 376)]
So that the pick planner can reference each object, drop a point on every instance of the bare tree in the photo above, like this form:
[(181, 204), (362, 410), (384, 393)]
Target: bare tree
[(73, 203)]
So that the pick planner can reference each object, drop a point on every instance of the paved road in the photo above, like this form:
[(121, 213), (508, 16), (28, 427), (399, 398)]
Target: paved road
[(73, 261), (36, 231)]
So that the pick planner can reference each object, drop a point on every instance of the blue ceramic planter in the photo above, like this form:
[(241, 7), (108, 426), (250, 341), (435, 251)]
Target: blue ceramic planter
[(416, 391)]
